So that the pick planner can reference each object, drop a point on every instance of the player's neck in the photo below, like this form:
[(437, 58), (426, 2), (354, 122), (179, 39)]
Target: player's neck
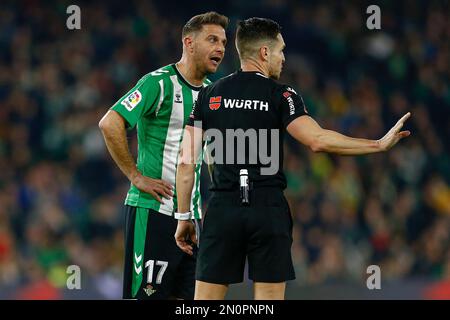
[(254, 66), (190, 72)]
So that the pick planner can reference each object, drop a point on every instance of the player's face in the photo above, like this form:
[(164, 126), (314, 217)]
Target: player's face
[(209, 48), (276, 60)]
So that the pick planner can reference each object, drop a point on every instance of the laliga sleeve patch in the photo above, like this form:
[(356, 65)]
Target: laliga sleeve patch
[(132, 100)]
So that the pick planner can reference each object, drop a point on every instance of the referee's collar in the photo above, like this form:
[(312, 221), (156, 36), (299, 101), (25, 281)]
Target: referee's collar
[(174, 65), (252, 72)]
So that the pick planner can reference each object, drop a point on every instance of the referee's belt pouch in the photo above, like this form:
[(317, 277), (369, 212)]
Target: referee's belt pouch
[(259, 197)]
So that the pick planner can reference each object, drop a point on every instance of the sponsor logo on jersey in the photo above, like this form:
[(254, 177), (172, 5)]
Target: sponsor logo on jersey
[(289, 99), (137, 263), (214, 102), (291, 90), (286, 94), (178, 98), (149, 290), (246, 104), (132, 100)]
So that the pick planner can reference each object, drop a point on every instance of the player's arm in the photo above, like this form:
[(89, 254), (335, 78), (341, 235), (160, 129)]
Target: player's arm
[(307, 131), (190, 152), (125, 113), (113, 128)]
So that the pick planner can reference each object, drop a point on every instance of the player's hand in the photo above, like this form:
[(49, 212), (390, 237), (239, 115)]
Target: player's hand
[(394, 135), (185, 235), (157, 188)]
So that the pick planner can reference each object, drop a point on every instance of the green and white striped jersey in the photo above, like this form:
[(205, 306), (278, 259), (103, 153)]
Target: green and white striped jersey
[(160, 105)]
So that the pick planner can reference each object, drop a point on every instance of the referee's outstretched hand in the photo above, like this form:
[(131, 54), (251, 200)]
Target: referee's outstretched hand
[(185, 235), (394, 135), (157, 188)]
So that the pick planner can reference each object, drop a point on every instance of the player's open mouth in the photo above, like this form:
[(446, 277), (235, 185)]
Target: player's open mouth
[(215, 60)]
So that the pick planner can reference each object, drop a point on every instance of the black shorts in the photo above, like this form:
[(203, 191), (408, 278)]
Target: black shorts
[(261, 232), (155, 268)]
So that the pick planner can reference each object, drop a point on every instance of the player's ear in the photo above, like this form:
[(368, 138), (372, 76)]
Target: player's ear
[(188, 42)]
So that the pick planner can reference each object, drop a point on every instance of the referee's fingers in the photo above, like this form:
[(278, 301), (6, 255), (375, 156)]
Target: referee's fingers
[(402, 120), (404, 134)]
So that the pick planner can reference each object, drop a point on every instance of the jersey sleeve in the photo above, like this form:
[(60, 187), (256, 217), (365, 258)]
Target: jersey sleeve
[(196, 117), (291, 104), (141, 100)]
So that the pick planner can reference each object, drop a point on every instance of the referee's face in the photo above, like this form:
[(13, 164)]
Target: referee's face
[(276, 59), (209, 48)]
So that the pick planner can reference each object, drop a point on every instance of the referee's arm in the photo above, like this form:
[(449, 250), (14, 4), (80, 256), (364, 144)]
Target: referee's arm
[(307, 131), (190, 150)]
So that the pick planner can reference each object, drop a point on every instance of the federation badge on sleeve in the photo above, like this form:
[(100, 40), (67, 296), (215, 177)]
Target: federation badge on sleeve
[(132, 100)]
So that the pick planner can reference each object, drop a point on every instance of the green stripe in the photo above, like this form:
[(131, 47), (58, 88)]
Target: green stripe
[(140, 233), (187, 105), (197, 199)]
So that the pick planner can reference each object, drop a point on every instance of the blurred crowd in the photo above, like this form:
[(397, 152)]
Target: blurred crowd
[(61, 194)]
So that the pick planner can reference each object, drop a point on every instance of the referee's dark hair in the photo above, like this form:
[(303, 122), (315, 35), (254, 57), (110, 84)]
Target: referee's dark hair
[(196, 22), (251, 32)]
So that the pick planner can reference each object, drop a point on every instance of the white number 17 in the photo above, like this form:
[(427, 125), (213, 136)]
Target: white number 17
[(150, 264)]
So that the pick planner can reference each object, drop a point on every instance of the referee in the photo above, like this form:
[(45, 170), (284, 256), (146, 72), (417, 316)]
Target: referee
[(248, 216)]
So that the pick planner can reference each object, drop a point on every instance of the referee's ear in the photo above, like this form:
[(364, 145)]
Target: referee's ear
[(264, 53)]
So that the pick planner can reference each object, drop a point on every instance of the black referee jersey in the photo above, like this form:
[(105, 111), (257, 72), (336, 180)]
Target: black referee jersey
[(247, 104)]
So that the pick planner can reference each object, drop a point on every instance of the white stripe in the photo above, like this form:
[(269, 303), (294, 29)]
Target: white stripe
[(194, 96), (172, 143), (161, 96)]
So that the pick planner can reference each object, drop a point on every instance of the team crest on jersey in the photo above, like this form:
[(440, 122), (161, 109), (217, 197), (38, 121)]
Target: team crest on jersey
[(132, 100), (149, 290), (214, 102)]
